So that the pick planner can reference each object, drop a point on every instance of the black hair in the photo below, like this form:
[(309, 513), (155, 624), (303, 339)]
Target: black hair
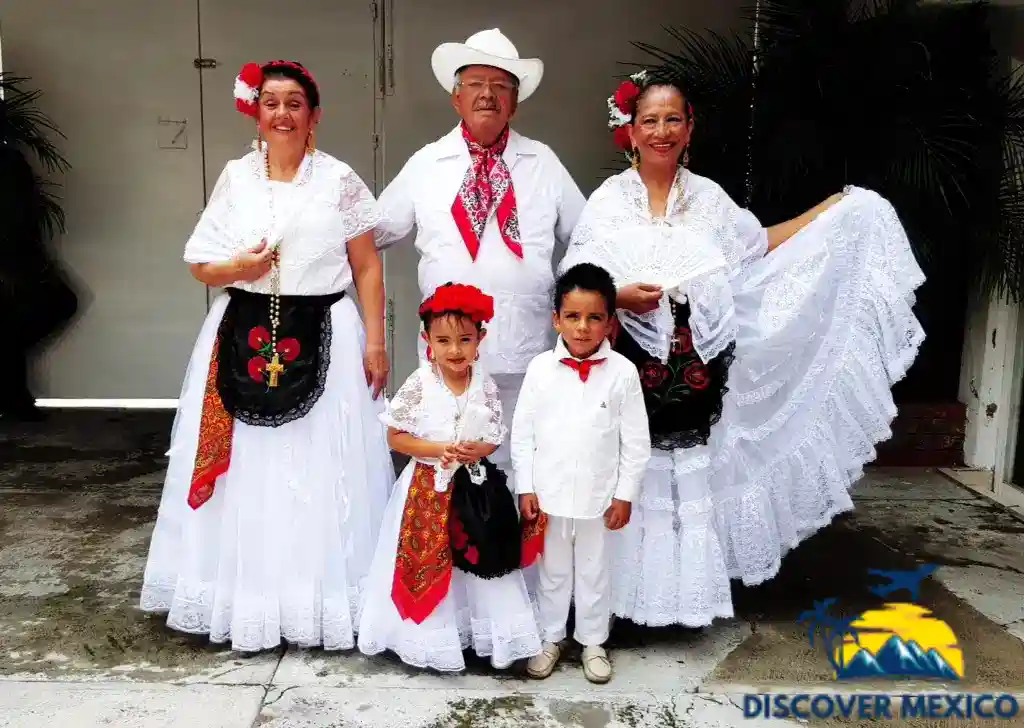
[(295, 71), (659, 79), (586, 277)]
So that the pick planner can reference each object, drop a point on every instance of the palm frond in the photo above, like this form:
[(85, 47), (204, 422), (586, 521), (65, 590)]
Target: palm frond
[(30, 206), (24, 125)]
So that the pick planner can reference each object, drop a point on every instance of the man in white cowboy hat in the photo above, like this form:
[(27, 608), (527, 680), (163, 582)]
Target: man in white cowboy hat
[(488, 205)]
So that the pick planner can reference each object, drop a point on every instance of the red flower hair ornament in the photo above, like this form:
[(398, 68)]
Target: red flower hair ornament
[(459, 298), (622, 107), (250, 79), (247, 89)]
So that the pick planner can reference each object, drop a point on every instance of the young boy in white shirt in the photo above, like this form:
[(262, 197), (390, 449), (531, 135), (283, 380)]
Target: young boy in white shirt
[(580, 444)]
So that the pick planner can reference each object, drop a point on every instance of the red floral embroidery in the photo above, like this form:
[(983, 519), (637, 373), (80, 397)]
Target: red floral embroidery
[(257, 366), (259, 338), (682, 341), (458, 533), (696, 376), (288, 349), (653, 374)]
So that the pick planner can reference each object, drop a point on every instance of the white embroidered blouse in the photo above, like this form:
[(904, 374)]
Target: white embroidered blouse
[(697, 252), (425, 408), (312, 218)]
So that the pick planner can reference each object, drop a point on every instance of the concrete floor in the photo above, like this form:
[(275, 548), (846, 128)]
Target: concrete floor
[(79, 496)]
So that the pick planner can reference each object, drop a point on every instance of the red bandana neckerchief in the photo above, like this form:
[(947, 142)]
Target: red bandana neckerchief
[(487, 185), (582, 367)]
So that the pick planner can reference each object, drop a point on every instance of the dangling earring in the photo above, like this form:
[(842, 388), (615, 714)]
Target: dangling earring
[(311, 142), (430, 354), (686, 156), (257, 143), (636, 158)]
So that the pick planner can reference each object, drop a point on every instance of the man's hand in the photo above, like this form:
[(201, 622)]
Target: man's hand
[(617, 514), (529, 506)]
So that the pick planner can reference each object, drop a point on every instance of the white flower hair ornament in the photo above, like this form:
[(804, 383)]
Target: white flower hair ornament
[(247, 89)]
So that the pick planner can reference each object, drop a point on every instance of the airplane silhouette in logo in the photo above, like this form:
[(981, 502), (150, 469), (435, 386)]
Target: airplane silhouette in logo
[(908, 580)]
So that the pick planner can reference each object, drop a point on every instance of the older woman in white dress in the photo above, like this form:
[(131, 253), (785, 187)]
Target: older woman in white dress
[(279, 469), (766, 355)]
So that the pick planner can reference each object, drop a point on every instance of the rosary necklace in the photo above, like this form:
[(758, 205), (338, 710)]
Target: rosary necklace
[(275, 368)]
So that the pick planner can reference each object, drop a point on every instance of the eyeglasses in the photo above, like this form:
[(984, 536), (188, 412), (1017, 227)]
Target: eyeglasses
[(499, 87)]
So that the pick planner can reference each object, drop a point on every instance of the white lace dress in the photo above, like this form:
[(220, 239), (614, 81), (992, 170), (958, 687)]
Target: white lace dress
[(823, 327), (493, 617), (283, 546)]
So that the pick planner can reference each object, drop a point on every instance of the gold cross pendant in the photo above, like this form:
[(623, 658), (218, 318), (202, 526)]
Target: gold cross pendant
[(274, 369)]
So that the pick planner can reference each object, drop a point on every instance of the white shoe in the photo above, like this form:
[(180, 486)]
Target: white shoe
[(542, 665), (596, 666)]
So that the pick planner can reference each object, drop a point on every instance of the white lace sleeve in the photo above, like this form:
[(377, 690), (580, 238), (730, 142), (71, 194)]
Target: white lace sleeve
[(213, 241), (712, 314), (582, 248), (495, 431), (404, 411), (741, 237), (359, 210)]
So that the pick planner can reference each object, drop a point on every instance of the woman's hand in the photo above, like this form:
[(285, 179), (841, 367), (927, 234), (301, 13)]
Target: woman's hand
[(449, 455), (640, 298), (472, 452), (529, 506), (254, 263), (376, 366)]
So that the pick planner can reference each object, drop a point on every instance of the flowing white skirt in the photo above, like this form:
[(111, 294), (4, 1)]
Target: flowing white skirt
[(282, 548), (826, 329), (494, 617)]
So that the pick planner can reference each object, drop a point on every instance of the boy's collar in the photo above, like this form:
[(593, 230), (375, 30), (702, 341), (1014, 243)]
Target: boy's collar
[(562, 351)]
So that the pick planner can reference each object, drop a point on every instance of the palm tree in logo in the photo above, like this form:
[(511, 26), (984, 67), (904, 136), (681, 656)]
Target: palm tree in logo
[(832, 629)]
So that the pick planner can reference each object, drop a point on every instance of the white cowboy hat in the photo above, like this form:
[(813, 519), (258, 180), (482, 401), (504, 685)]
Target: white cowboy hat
[(486, 48)]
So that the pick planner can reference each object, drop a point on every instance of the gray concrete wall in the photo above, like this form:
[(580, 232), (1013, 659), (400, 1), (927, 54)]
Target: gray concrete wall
[(112, 69)]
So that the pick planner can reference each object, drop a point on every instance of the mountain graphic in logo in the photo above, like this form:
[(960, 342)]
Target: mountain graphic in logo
[(896, 640), (898, 659)]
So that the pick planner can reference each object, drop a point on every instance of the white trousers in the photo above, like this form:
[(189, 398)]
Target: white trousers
[(575, 568)]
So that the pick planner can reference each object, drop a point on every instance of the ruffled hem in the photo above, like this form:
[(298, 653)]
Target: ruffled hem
[(254, 623), (505, 642)]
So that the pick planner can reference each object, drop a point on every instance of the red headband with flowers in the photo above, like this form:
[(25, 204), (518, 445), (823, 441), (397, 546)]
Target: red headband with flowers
[(250, 79), (459, 298), (622, 107)]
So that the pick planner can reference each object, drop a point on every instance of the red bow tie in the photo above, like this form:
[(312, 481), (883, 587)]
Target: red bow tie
[(582, 367)]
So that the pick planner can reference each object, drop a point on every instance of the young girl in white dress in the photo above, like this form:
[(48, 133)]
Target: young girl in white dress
[(421, 601)]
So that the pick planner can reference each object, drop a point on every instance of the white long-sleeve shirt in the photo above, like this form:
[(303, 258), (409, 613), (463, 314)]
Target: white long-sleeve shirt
[(549, 202), (579, 444)]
